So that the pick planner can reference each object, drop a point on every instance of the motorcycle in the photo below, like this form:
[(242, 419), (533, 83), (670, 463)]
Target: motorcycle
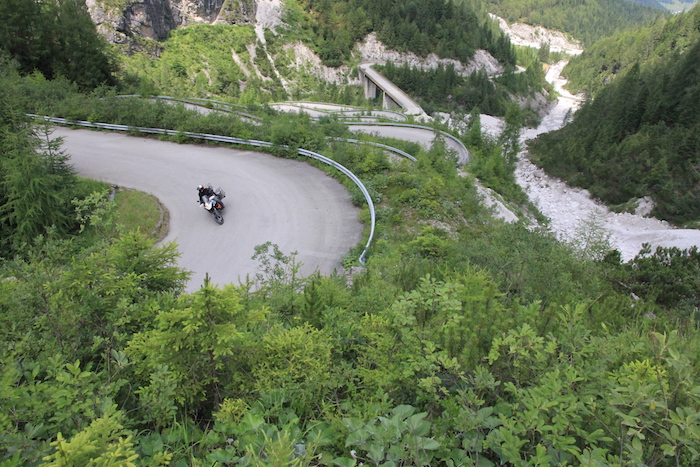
[(214, 205)]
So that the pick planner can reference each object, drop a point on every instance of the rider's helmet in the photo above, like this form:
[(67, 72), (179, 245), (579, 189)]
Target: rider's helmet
[(200, 187)]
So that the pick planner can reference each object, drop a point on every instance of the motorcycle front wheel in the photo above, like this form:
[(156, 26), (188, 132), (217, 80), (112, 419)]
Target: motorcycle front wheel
[(217, 216)]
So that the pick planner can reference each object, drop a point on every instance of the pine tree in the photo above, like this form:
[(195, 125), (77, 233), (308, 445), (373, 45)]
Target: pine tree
[(56, 38), (36, 184)]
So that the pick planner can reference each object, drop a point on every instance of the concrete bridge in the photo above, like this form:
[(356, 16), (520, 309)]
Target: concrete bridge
[(392, 96)]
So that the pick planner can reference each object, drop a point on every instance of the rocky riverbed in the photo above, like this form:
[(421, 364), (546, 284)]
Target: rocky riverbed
[(572, 211)]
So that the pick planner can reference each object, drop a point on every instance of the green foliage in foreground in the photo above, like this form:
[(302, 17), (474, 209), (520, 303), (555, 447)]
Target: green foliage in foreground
[(666, 276), (639, 137), (649, 46), (446, 372), (36, 185)]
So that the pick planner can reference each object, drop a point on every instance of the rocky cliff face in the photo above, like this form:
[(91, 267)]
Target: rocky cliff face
[(123, 22)]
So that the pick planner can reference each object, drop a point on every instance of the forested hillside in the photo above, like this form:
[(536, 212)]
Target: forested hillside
[(462, 341), (449, 29), (586, 21), (647, 46), (640, 136), (196, 61), (443, 89), (55, 38)]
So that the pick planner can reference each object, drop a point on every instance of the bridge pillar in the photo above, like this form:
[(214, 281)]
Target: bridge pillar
[(369, 86), (392, 97), (388, 102)]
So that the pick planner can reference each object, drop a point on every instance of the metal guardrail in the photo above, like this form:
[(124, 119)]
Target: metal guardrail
[(194, 101), (228, 107), (340, 111), (232, 140), (422, 127), (372, 143), (215, 105), (342, 115)]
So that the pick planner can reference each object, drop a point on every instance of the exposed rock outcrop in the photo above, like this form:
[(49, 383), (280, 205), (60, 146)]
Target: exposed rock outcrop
[(534, 36), (125, 22), (372, 50)]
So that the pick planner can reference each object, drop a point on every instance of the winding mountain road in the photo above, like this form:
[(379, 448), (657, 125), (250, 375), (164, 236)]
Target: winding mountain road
[(425, 137), (287, 202)]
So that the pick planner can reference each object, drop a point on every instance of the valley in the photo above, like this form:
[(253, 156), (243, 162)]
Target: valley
[(467, 309)]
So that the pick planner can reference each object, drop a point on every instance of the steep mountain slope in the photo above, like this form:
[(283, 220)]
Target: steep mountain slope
[(125, 22), (587, 20), (312, 48), (451, 30), (330, 27), (639, 137), (613, 56)]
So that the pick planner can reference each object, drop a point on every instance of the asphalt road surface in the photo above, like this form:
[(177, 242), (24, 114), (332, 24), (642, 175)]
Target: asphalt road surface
[(422, 136), (286, 202)]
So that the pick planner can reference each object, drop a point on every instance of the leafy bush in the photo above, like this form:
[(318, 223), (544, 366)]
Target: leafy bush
[(668, 277)]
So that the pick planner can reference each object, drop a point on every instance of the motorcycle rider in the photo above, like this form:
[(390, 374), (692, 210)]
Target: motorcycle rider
[(205, 192)]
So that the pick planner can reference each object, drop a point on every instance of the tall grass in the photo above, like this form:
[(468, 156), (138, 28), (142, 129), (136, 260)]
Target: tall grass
[(141, 211)]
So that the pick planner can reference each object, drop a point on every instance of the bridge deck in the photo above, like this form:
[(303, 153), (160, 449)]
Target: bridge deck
[(402, 99)]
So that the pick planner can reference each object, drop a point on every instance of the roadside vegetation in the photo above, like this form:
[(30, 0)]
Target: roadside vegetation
[(136, 210), (462, 341), (110, 211)]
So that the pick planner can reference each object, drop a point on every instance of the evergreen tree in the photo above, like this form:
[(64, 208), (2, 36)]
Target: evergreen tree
[(36, 184), (56, 38)]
